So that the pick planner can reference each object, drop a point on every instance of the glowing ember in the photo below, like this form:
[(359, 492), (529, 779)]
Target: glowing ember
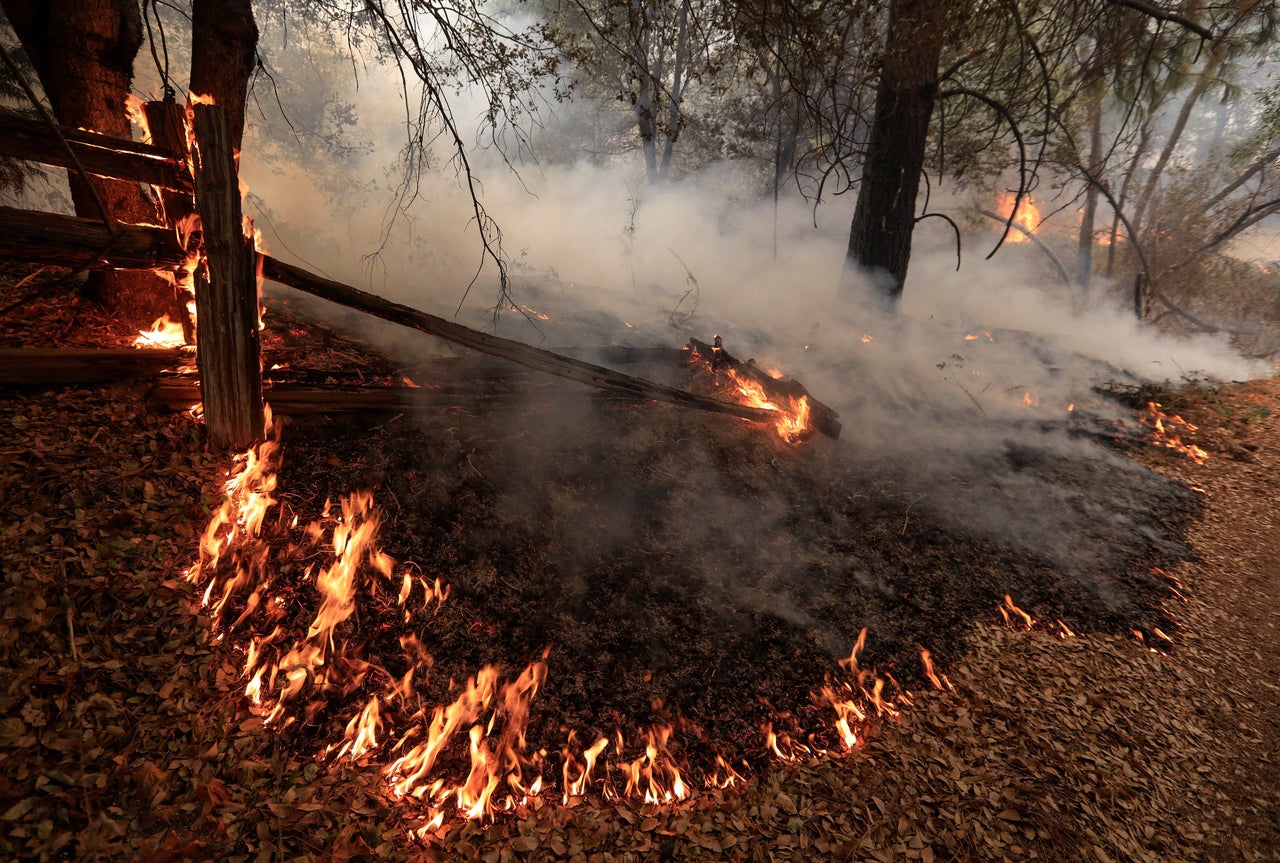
[(1027, 216), (1167, 431)]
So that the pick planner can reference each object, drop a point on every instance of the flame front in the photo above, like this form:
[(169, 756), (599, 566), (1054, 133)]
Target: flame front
[(465, 754)]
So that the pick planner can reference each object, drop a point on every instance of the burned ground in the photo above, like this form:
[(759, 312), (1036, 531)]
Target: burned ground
[(693, 567), (127, 735)]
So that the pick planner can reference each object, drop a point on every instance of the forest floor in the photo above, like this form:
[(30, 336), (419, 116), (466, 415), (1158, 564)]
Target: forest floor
[(126, 734)]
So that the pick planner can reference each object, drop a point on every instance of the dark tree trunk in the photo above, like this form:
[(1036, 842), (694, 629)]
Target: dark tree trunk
[(224, 45), (885, 215), (83, 52)]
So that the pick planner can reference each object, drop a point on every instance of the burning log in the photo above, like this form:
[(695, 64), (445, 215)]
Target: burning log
[(776, 390)]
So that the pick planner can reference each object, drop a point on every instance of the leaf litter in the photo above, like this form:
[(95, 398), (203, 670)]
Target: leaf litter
[(125, 734)]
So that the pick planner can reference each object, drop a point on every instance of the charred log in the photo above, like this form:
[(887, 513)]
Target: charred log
[(297, 399), (781, 391)]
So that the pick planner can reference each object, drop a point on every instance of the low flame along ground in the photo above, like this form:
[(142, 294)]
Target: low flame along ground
[(467, 757)]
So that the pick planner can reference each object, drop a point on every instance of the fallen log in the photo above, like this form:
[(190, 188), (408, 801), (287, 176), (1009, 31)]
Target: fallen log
[(780, 391), (55, 366), (517, 352), (103, 155)]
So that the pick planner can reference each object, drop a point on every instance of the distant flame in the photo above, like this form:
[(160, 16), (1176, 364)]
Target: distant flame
[(1027, 217)]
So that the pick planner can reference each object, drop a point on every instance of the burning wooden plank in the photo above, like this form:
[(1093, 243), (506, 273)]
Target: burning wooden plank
[(517, 352)]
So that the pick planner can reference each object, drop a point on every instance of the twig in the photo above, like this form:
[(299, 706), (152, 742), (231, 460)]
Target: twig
[(906, 516)]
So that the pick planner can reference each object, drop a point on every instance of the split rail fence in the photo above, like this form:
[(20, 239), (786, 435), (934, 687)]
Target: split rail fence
[(202, 180)]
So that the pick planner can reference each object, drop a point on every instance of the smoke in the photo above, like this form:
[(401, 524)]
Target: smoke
[(973, 411)]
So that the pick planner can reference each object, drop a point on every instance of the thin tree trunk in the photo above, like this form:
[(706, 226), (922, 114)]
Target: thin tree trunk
[(677, 88), (1171, 144), (1084, 248), (83, 52), (885, 214)]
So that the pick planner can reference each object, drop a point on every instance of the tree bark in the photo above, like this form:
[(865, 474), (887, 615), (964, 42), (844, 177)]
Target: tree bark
[(885, 214), (224, 45), (83, 52)]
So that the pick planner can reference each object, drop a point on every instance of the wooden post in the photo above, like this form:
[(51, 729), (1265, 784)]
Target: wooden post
[(228, 351), (167, 122)]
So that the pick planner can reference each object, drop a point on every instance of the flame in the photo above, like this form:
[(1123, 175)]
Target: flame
[(164, 333), (1027, 216), (1167, 431), (134, 106), (793, 424), (926, 659), (1030, 399), (533, 313), (1008, 608)]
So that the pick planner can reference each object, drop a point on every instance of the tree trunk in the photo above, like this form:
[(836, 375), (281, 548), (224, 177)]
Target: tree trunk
[(675, 120), (1084, 253), (83, 52), (224, 44), (885, 214)]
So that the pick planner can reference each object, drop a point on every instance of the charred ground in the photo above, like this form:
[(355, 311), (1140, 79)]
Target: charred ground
[(691, 568)]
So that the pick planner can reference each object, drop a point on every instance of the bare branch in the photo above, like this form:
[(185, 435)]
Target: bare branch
[(1151, 10)]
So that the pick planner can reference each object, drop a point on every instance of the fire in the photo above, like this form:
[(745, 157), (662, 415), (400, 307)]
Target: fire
[(939, 682), (164, 333), (1008, 611), (1167, 431), (1027, 217), (793, 424), (462, 752), (133, 106)]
